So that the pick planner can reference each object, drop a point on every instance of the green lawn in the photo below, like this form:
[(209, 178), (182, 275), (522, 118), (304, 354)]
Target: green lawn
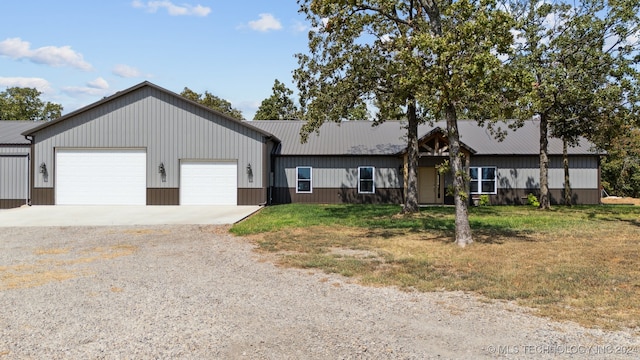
[(493, 218), (580, 263)]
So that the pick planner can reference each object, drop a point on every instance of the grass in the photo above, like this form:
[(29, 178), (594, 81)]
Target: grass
[(578, 263), (55, 264)]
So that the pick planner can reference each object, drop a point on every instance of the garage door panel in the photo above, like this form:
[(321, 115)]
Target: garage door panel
[(101, 177), (208, 183)]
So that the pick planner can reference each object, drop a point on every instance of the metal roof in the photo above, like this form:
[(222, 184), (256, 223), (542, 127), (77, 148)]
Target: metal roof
[(346, 138), (10, 131), (389, 138), (524, 140)]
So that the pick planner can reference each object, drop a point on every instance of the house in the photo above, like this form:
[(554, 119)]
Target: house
[(149, 146), (353, 162)]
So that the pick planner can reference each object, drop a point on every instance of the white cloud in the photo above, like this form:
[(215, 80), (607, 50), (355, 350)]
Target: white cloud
[(96, 87), (39, 83), (172, 9), (126, 71), (299, 27), (18, 49), (98, 83), (266, 23)]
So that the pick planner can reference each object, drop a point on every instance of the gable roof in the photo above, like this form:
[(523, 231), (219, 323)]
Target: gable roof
[(132, 89), (389, 138), (10, 131)]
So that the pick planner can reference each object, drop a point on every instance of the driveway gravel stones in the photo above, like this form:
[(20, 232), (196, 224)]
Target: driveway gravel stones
[(196, 292)]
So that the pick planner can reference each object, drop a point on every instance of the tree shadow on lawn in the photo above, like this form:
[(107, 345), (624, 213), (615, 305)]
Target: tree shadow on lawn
[(438, 219), (446, 234), (625, 213), (634, 222)]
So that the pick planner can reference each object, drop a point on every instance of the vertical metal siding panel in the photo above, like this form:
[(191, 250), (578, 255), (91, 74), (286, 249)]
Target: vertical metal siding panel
[(13, 177), (243, 153), (15, 149), (5, 176), (166, 145), (338, 172), (523, 172)]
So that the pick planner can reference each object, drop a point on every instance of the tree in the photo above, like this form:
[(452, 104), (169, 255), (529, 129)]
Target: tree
[(18, 103), (279, 105), (621, 166), (417, 60), (582, 62), (213, 102)]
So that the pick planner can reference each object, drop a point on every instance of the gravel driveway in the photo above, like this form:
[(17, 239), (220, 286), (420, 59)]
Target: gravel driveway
[(195, 292)]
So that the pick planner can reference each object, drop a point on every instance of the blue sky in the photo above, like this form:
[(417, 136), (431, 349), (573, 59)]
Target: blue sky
[(76, 52)]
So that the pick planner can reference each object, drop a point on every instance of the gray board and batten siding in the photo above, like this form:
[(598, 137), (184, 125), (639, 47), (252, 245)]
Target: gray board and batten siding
[(335, 179), (169, 128), (336, 152), (14, 176), (14, 163)]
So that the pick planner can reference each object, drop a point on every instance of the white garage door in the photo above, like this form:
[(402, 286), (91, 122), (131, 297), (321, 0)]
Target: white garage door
[(208, 183), (101, 177)]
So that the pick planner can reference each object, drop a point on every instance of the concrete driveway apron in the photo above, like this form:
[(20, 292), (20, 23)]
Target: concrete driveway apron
[(28, 216)]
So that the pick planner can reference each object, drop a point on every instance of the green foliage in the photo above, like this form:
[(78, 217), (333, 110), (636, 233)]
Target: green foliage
[(213, 102), (443, 167), (279, 105), (484, 200), (532, 200), (25, 104), (369, 52), (581, 61), (621, 166)]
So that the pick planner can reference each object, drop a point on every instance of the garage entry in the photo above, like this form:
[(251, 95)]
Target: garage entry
[(208, 183), (101, 177)]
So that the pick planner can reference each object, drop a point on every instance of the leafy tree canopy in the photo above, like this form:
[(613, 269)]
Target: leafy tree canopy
[(415, 60), (278, 106), (581, 57), (18, 103), (213, 102)]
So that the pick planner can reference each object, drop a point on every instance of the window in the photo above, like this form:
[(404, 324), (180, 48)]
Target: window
[(483, 180), (366, 179), (303, 179)]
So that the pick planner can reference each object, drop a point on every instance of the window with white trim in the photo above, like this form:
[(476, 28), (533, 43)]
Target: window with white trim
[(483, 180), (303, 179), (366, 180)]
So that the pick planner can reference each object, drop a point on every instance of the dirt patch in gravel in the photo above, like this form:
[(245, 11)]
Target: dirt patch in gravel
[(195, 292)]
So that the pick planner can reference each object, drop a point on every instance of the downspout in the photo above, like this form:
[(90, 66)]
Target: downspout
[(29, 169), (272, 171)]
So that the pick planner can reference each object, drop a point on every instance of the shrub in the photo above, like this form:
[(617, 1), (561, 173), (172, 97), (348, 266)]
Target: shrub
[(533, 200), (484, 200)]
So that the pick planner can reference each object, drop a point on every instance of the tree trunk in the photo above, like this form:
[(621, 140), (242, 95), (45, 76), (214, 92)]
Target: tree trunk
[(411, 200), (461, 197), (567, 183), (545, 203)]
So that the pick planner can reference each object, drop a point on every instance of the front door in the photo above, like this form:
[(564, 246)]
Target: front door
[(429, 186)]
